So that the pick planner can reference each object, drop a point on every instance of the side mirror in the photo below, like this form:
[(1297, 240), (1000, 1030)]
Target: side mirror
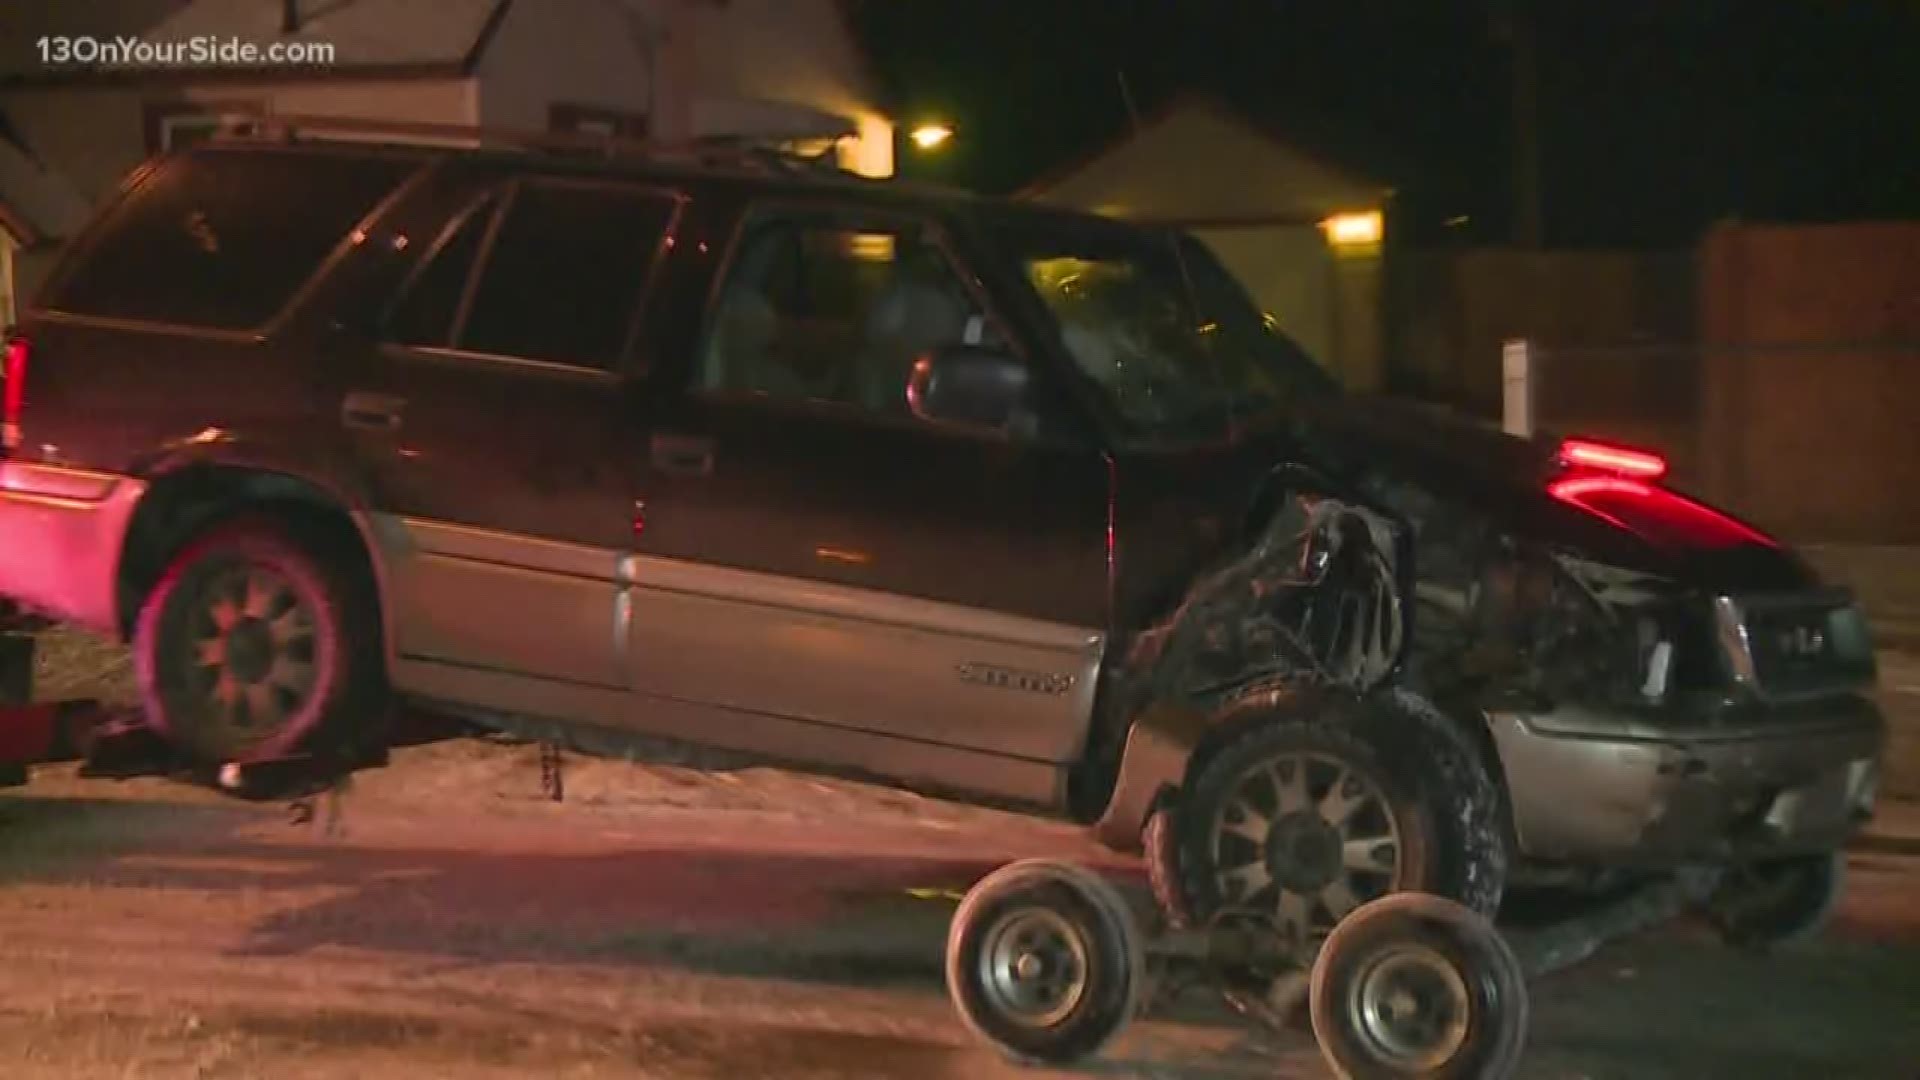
[(966, 384)]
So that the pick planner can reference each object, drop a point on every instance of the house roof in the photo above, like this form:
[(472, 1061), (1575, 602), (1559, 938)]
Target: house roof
[(1327, 180), (387, 38), (36, 202), (16, 228)]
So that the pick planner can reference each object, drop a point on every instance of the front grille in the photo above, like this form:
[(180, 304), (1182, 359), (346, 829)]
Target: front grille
[(1784, 646)]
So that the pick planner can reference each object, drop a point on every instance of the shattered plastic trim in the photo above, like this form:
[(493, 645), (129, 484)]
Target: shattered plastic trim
[(1317, 600)]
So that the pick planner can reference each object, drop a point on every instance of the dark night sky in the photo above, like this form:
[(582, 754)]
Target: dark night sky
[(1656, 116)]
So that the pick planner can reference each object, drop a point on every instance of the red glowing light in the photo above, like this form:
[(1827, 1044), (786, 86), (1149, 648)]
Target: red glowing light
[(13, 392), (1575, 489), (1613, 459), (1654, 512)]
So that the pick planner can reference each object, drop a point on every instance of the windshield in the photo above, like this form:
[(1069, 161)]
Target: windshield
[(1166, 332)]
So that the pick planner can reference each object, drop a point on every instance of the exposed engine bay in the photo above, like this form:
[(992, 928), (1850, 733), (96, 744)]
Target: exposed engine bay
[(1348, 593), (1495, 616)]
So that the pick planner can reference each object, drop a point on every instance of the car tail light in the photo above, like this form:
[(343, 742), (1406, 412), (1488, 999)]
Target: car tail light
[(13, 392), (1619, 460)]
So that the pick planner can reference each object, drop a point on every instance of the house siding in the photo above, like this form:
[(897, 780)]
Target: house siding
[(682, 63), (1256, 203), (693, 69), (586, 52), (95, 136)]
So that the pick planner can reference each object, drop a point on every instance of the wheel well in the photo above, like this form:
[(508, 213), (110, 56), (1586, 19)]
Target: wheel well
[(1218, 735), (182, 505), (1467, 722), (1474, 723)]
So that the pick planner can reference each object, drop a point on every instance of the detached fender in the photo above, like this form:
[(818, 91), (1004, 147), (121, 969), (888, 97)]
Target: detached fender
[(1164, 738), (1153, 763), (1251, 626)]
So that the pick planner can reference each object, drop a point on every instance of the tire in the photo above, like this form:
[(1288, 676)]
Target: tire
[(1779, 903), (1413, 985), (1091, 968), (256, 646), (1405, 776)]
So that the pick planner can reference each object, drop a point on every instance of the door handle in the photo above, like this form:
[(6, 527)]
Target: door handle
[(377, 412), (688, 455)]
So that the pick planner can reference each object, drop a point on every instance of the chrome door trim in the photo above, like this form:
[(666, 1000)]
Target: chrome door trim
[(657, 574), (480, 693), (496, 547), (522, 604)]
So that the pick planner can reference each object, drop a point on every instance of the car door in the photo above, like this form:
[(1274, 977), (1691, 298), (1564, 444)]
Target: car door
[(815, 552), (496, 419)]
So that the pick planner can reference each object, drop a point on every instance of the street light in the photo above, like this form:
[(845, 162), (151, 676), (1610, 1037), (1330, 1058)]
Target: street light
[(931, 136), (1354, 230)]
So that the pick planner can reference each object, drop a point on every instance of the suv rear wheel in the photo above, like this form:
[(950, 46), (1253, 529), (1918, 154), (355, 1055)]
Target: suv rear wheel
[(255, 645)]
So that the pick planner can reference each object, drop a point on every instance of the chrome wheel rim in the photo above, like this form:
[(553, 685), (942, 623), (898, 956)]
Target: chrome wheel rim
[(1033, 967), (1412, 1008), (252, 665), (1307, 838)]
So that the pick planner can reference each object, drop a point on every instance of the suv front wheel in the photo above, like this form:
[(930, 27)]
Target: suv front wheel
[(1315, 806), (255, 645)]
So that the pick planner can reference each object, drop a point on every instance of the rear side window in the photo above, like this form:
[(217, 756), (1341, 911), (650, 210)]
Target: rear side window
[(564, 276), (222, 240), (560, 280), (426, 314)]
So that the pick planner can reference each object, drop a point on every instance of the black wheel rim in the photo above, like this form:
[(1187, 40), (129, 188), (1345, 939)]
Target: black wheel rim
[(1034, 966), (250, 662), (1306, 838), (1411, 1008)]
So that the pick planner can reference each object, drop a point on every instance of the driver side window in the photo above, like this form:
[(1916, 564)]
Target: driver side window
[(819, 310)]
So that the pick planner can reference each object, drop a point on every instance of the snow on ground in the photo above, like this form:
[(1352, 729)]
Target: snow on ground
[(669, 922), (505, 775)]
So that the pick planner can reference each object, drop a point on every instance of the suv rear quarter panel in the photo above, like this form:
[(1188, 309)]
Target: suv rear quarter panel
[(122, 403)]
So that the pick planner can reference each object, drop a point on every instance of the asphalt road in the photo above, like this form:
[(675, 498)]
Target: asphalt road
[(669, 924)]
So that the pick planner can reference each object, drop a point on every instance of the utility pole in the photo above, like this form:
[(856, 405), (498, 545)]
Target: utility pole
[(1515, 24), (647, 35)]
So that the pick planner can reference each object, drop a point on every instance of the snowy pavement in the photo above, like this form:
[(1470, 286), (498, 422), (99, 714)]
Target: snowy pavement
[(670, 923)]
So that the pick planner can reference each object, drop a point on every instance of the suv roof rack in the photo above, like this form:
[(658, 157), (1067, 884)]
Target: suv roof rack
[(760, 152)]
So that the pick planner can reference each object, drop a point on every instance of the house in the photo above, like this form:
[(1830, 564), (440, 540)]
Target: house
[(664, 69), (1305, 236)]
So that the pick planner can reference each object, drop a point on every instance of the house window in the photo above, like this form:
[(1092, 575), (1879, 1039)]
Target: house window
[(176, 125), (574, 118)]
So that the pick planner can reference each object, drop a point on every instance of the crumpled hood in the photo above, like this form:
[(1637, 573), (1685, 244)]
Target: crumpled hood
[(1440, 451), (1507, 480)]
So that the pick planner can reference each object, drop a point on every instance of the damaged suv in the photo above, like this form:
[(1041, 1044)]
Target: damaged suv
[(1016, 505)]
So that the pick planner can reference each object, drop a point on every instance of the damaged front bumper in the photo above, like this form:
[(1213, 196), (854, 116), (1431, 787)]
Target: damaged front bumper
[(1742, 782)]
